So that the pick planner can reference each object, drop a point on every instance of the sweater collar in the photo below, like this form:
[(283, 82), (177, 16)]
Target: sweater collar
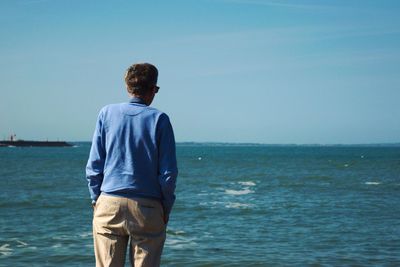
[(137, 100)]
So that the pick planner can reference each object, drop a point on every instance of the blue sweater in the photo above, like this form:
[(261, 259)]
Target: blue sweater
[(133, 154)]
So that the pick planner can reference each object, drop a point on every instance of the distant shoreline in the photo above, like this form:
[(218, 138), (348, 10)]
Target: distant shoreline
[(30, 143), (288, 145)]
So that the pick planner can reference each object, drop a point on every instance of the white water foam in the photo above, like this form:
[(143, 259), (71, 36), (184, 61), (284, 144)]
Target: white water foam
[(21, 244), (372, 183), (176, 242), (248, 183), (244, 191), (58, 245), (177, 232), (86, 234), (236, 205), (18, 242), (180, 232), (212, 203), (5, 250)]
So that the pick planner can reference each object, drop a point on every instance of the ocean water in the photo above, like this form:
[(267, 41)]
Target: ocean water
[(237, 205)]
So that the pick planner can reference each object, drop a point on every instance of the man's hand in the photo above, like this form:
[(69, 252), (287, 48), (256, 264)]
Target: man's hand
[(166, 219)]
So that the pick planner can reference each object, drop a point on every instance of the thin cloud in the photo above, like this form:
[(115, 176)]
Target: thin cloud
[(289, 34), (360, 32), (284, 4), (29, 2), (278, 44), (33, 2)]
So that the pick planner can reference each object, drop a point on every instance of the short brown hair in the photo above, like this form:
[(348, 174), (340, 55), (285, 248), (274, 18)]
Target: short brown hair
[(141, 78)]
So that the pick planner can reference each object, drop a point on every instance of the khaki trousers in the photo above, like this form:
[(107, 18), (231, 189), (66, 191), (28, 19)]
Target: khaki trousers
[(118, 221)]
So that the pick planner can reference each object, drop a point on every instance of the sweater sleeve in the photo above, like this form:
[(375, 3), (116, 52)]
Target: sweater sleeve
[(95, 164), (167, 164)]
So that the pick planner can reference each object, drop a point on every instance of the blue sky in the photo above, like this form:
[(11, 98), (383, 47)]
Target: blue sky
[(263, 71)]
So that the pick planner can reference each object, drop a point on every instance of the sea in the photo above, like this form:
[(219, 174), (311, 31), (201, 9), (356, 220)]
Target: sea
[(237, 205)]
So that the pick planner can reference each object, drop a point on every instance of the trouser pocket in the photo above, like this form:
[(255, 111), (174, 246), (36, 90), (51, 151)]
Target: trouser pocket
[(150, 216)]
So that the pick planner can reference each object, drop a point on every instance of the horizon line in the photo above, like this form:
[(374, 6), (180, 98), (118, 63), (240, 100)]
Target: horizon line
[(274, 144)]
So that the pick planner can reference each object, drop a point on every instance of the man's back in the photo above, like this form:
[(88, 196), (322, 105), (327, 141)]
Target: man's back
[(132, 162)]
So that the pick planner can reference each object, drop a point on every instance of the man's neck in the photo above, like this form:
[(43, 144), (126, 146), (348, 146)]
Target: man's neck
[(147, 99)]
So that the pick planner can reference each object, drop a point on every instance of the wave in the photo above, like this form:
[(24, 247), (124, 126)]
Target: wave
[(238, 192), (179, 242), (86, 234), (237, 205), (173, 232), (21, 243), (5, 250), (248, 183), (372, 183)]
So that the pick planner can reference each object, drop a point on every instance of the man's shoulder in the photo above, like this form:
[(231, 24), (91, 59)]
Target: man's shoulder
[(106, 108), (161, 118), (111, 108), (155, 110), (118, 107)]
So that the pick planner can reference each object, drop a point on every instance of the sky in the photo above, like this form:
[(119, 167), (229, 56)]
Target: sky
[(253, 71)]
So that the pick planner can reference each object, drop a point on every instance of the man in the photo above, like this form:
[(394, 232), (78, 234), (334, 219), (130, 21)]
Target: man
[(132, 173)]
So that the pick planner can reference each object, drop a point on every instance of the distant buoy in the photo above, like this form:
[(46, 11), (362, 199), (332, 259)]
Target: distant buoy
[(200, 158)]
